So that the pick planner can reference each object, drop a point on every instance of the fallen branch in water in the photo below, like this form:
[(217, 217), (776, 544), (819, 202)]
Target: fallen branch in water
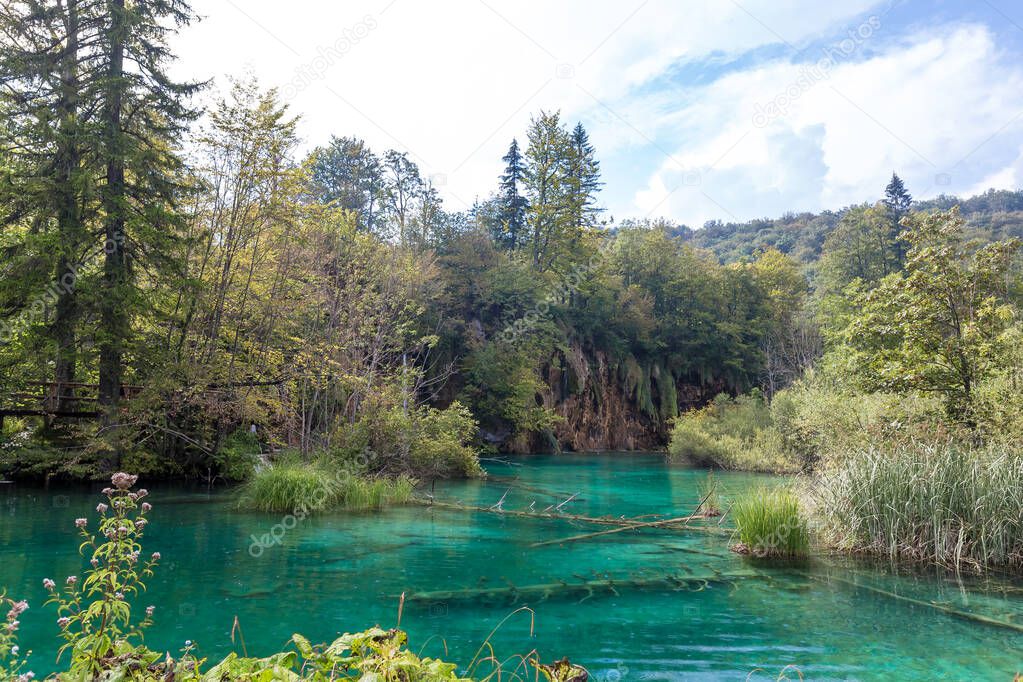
[(598, 520), (585, 588), (948, 610), (684, 520)]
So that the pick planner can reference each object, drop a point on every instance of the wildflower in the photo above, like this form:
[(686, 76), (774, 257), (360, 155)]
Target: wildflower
[(72, 579), (49, 584), (63, 621), (108, 491), (102, 508), (133, 557), (142, 493), (156, 556), (15, 649), (146, 506), (149, 610), (26, 677), (188, 642), (140, 524), (95, 562), (122, 531), (13, 626), (123, 481), (80, 523), (17, 608), (119, 596)]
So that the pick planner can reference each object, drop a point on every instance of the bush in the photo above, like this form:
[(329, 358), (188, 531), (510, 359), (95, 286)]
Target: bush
[(946, 504), (291, 485), (769, 523), (732, 433)]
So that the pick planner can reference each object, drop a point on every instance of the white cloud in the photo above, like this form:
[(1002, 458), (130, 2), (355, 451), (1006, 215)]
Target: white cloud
[(452, 82), (926, 107)]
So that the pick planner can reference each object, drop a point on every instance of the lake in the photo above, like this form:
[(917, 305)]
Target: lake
[(725, 617)]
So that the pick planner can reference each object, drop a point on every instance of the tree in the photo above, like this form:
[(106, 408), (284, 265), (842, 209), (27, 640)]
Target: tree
[(898, 201), (144, 113), (859, 248), (548, 191), (512, 205), (936, 326), (347, 173), (47, 68), (584, 179), (402, 187)]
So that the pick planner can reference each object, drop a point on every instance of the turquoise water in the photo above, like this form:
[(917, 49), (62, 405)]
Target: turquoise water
[(344, 572)]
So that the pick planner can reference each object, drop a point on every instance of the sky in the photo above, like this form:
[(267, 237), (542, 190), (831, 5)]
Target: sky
[(699, 109)]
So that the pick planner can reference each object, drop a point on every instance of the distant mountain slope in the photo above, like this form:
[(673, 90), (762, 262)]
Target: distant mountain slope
[(996, 214)]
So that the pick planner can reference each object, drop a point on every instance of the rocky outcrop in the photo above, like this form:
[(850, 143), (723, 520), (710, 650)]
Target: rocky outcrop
[(610, 403)]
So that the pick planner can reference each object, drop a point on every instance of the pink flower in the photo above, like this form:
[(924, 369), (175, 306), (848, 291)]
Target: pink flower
[(123, 481), (149, 610), (119, 595), (13, 626), (63, 621), (17, 608), (108, 491), (122, 530), (140, 524), (146, 506), (26, 677), (142, 493), (80, 523), (102, 508), (49, 584), (156, 556), (95, 562), (72, 579)]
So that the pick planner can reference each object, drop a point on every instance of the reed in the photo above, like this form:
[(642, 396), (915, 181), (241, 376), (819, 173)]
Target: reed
[(953, 506), (288, 486), (769, 523)]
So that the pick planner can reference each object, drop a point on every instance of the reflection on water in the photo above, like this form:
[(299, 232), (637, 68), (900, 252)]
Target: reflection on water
[(720, 618)]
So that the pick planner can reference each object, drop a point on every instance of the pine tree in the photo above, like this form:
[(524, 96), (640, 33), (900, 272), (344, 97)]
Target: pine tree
[(584, 179), (512, 204), (348, 174), (144, 113), (48, 69), (898, 201)]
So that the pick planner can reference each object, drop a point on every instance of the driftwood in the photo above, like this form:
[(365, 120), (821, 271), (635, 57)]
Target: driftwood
[(684, 520), (620, 522), (948, 610), (584, 589)]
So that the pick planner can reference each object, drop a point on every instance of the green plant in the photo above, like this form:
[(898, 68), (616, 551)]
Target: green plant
[(708, 489), (11, 663), (289, 485), (768, 523), (947, 504)]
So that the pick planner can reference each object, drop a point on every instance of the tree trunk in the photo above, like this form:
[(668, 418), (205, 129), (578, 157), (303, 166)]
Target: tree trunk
[(113, 315)]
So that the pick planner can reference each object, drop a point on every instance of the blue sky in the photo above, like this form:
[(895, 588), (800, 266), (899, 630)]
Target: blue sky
[(699, 110)]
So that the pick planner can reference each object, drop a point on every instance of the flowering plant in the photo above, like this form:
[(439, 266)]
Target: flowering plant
[(11, 664), (94, 614)]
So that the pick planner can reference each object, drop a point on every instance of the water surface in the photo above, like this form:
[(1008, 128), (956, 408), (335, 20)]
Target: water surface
[(344, 572)]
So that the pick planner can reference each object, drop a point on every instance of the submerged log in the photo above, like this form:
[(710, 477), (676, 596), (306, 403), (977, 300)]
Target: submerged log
[(620, 522), (584, 588)]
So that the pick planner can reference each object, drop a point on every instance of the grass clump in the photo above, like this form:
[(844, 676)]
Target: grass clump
[(769, 523), (949, 505), (314, 487)]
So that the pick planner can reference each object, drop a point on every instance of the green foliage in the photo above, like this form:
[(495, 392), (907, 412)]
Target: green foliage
[(769, 523), (946, 504), (937, 326), (732, 433), (295, 487)]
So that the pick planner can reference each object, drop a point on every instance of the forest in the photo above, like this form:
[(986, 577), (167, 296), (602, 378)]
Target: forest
[(192, 294)]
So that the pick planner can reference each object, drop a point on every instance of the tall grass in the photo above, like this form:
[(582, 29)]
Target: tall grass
[(769, 523), (292, 485), (953, 506)]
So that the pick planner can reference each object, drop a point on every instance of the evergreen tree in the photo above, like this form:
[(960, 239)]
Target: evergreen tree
[(512, 204), (143, 114), (584, 179), (898, 201)]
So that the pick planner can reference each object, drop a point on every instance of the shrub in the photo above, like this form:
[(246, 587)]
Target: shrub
[(768, 523), (291, 485), (946, 504)]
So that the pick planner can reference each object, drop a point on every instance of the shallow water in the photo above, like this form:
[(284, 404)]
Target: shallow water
[(344, 572)]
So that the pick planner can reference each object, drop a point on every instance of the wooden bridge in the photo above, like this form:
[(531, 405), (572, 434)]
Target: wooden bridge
[(49, 400)]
